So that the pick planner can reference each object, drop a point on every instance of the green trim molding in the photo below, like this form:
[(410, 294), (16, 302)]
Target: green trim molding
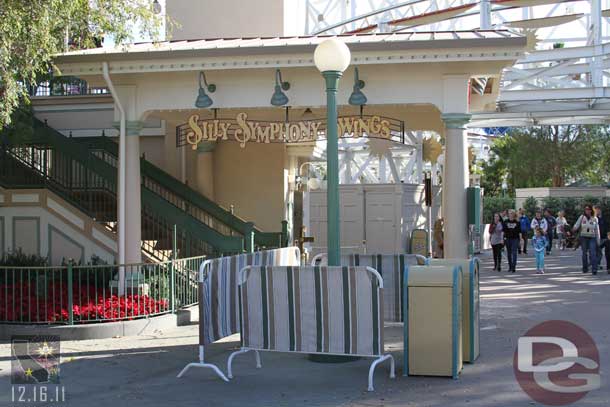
[(455, 120), (132, 127), (38, 238), (68, 238)]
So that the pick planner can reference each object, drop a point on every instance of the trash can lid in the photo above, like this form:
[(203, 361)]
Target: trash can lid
[(465, 263), (432, 276)]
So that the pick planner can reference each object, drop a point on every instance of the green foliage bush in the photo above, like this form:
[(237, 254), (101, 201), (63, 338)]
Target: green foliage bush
[(495, 204), (573, 207), (93, 273), (530, 205), (18, 258)]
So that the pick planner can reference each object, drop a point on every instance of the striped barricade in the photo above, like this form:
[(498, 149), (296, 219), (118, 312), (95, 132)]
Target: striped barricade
[(218, 295), (391, 267), (314, 310)]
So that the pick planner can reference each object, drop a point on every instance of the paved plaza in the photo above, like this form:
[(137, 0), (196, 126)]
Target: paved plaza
[(141, 371)]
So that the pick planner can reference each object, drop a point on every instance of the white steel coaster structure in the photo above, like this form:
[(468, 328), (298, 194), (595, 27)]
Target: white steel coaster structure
[(564, 79)]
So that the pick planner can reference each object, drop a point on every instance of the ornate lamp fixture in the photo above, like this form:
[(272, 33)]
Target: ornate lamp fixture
[(203, 100), (357, 98), (279, 98)]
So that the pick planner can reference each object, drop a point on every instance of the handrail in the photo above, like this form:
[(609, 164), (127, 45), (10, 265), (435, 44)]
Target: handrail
[(190, 196), (152, 202), (179, 188)]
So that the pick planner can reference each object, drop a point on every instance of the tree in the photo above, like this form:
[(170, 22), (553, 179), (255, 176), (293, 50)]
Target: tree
[(32, 31), (548, 156)]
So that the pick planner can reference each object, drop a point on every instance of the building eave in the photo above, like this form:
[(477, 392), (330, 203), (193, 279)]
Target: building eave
[(294, 52)]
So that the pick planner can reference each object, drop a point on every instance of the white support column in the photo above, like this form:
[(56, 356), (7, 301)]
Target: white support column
[(485, 15), (392, 165), (382, 170), (290, 173), (455, 182), (596, 40), (455, 168), (419, 154), (348, 157), (133, 201)]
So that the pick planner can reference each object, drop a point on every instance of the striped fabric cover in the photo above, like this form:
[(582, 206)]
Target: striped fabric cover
[(330, 310), (218, 302), (391, 268)]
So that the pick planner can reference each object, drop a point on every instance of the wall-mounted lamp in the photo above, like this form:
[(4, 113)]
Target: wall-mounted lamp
[(279, 98), (203, 100), (357, 98), (308, 115)]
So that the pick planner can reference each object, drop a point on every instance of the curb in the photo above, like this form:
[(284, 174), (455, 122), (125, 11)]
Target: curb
[(104, 330)]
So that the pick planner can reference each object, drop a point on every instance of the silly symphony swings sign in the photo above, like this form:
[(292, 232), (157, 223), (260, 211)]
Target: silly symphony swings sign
[(244, 130)]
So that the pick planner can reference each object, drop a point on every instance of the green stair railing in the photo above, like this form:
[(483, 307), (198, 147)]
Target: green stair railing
[(46, 158), (187, 199)]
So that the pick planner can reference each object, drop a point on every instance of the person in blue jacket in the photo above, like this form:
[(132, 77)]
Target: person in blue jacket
[(526, 227), (539, 242)]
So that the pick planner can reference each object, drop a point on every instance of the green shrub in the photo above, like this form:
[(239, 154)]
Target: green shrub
[(573, 207), (18, 258), (92, 276), (530, 206), (495, 204)]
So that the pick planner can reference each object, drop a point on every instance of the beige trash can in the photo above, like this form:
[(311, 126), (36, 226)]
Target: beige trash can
[(471, 314), (432, 328)]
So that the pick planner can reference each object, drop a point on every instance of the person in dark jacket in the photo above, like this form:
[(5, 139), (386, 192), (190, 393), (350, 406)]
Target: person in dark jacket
[(526, 227), (512, 231), (550, 233), (496, 239), (604, 241)]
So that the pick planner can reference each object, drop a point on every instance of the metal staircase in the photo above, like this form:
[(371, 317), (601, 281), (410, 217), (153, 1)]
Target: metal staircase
[(84, 174)]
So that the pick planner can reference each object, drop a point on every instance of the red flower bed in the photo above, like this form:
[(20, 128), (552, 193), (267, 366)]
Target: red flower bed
[(21, 302)]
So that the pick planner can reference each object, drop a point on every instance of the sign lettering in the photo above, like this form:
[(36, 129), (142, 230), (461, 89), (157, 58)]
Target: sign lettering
[(245, 130)]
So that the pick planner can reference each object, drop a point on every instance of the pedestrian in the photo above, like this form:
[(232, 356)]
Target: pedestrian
[(539, 243), (496, 237), (512, 230), (604, 238), (550, 231), (539, 222), (561, 229), (525, 225), (504, 215), (589, 239)]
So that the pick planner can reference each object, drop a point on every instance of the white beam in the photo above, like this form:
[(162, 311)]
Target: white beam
[(554, 94)]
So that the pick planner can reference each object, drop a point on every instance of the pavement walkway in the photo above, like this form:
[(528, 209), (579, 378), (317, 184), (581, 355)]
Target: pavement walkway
[(141, 371)]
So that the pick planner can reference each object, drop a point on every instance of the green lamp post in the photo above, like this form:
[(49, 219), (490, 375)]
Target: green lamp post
[(332, 57)]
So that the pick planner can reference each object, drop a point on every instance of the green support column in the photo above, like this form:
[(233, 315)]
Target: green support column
[(70, 292), (332, 168), (249, 237), (284, 234)]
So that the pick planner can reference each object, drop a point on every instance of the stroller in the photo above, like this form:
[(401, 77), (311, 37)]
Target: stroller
[(572, 240)]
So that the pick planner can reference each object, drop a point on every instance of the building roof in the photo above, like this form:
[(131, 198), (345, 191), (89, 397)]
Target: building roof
[(266, 45)]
